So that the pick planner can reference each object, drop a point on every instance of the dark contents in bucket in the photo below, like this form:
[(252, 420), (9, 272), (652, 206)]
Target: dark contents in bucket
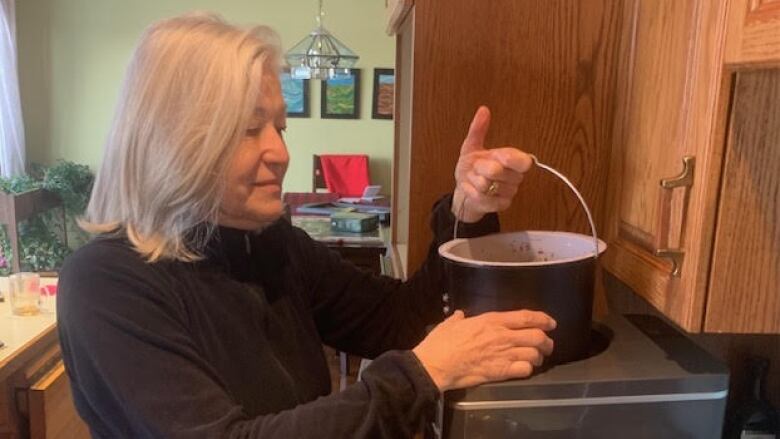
[(518, 251)]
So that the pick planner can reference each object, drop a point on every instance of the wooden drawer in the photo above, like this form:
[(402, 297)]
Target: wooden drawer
[(50, 408)]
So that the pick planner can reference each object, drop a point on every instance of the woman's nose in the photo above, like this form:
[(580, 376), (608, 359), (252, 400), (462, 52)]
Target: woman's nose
[(277, 149)]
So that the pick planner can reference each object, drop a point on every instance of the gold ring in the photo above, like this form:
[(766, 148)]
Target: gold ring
[(492, 190)]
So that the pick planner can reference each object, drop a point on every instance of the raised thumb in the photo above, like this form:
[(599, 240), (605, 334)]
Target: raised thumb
[(475, 139)]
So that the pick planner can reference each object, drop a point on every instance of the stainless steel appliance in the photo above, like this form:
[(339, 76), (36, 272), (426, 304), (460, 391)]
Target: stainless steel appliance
[(644, 380)]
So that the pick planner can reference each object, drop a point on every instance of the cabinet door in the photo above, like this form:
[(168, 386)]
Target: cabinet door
[(754, 32), (745, 282), (51, 411), (669, 101)]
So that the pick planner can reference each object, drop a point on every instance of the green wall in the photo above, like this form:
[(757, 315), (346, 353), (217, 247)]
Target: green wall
[(73, 53)]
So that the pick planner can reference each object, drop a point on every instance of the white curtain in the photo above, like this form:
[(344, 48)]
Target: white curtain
[(11, 128)]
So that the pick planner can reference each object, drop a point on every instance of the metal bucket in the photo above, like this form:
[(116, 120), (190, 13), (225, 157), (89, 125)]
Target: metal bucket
[(539, 270), (544, 271)]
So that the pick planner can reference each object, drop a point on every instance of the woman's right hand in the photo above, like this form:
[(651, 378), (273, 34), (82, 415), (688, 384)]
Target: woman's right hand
[(464, 352)]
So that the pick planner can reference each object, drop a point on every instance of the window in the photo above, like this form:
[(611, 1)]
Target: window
[(12, 157)]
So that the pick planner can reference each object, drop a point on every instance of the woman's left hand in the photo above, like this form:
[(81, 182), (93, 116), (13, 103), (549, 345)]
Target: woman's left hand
[(486, 179)]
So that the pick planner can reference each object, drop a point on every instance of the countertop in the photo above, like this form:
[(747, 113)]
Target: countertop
[(20, 332)]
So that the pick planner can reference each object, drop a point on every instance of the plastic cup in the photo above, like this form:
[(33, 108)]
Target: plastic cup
[(24, 293)]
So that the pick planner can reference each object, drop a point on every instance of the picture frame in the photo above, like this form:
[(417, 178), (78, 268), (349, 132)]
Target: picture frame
[(340, 97), (296, 95), (383, 100)]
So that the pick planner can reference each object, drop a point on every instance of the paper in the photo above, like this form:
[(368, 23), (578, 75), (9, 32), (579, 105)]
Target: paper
[(370, 194), (358, 200)]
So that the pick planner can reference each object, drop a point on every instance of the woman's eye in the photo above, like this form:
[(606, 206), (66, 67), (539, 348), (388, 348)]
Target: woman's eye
[(281, 130), (252, 132)]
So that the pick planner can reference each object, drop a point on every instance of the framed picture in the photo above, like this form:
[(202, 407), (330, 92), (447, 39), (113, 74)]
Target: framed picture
[(384, 94), (341, 97), (296, 95)]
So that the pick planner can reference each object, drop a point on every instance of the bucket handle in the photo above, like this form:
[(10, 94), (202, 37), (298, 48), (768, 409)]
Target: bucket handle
[(568, 183)]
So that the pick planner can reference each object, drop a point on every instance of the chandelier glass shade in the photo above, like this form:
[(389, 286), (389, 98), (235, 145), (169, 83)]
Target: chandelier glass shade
[(320, 55)]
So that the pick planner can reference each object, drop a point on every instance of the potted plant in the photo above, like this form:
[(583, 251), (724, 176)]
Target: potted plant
[(39, 212)]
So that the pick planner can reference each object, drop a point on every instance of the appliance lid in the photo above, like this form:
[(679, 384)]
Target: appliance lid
[(647, 361)]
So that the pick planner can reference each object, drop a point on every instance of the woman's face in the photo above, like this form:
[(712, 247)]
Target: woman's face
[(253, 196)]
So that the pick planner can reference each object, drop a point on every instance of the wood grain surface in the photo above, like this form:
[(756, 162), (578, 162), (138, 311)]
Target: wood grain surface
[(745, 281), (51, 410), (671, 103), (754, 32), (547, 70), (656, 118), (15, 376)]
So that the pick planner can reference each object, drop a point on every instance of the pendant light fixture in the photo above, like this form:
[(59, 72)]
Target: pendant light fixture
[(320, 55)]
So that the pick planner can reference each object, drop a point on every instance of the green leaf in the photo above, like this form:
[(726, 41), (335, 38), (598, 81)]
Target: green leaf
[(42, 248)]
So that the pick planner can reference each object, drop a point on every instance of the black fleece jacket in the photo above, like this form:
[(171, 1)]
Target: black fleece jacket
[(231, 346)]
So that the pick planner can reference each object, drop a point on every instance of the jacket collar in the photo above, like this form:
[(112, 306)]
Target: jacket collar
[(245, 255)]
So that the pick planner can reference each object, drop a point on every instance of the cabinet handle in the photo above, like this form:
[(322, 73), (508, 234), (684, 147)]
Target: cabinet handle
[(675, 255), (683, 180)]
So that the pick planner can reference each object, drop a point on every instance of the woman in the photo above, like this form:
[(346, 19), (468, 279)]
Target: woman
[(197, 312)]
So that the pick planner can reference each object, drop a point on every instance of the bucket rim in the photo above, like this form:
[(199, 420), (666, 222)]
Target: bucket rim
[(445, 250)]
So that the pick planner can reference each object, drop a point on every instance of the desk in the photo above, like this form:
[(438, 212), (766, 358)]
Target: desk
[(362, 249), (20, 332), (35, 396)]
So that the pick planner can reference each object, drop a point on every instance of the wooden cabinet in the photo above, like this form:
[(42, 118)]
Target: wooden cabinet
[(545, 69), (51, 412), (663, 112), (743, 295), (680, 245), (668, 109), (753, 32), (35, 395)]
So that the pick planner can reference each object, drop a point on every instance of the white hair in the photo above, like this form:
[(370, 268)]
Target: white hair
[(189, 92)]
